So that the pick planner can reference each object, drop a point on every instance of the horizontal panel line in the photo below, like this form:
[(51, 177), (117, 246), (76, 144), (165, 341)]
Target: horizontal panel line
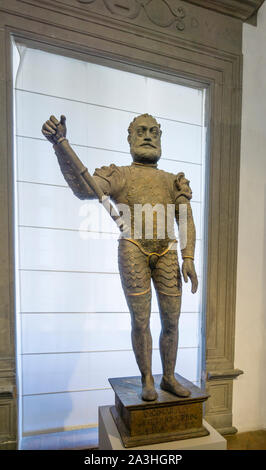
[(110, 150), (77, 391), (44, 184), (105, 106), (74, 230), (83, 146), (95, 351), (68, 229), (71, 272), (60, 186), (66, 271), (90, 313), (66, 391)]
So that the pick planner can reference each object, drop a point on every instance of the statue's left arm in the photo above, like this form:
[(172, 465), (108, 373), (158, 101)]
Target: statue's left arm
[(187, 231)]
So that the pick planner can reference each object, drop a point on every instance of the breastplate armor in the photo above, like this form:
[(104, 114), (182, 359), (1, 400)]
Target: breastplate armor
[(148, 185)]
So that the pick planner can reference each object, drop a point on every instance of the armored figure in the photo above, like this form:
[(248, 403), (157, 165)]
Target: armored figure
[(141, 258)]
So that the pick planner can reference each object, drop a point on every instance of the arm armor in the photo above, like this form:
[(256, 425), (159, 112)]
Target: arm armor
[(184, 214)]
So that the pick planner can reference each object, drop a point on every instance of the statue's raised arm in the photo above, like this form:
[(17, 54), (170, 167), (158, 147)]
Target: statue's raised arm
[(83, 185), (55, 132)]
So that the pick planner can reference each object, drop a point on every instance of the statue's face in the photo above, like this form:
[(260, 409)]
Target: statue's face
[(145, 140)]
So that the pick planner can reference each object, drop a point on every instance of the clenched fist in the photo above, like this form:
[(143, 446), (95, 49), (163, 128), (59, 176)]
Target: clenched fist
[(54, 130)]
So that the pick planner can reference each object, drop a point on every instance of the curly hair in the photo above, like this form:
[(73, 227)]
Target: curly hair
[(146, 115)]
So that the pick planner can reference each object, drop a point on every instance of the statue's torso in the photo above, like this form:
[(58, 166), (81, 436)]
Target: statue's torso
[(144, 185), (144, 188)]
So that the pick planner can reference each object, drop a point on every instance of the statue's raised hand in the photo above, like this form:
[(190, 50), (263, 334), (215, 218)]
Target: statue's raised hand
[(54, 130)]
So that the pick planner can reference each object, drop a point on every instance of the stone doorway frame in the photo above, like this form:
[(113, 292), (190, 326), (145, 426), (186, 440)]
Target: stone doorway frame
[(200, 46)]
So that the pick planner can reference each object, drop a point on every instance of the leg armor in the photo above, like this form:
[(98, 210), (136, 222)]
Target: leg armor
[(166, 275), (135, 276)]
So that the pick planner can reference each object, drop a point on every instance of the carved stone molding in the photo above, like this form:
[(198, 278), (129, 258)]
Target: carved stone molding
[(7, 424), (167, 19), (6, 391), (241, 9), (224, 374), (165, 14)]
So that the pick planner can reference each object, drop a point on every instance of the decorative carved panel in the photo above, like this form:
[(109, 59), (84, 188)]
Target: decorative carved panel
[(5, 419), (218, 410), (164, 14), (220, 398), (173, 18)]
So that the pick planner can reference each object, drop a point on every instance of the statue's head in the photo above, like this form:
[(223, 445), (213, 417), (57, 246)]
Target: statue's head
[(144, 137)]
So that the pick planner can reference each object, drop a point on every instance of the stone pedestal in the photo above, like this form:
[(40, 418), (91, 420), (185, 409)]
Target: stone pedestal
[(169, 418), (109, 437)]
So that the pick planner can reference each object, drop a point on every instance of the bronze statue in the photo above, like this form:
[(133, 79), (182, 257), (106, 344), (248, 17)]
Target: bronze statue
[(140, 258)]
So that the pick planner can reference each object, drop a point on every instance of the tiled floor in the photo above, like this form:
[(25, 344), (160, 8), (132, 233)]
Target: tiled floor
[(255, 440)]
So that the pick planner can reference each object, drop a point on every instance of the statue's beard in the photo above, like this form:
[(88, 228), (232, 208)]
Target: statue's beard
[(145, 154)]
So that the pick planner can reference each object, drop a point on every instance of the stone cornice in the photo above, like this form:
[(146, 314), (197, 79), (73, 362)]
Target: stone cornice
[(224, 374), (241, 9)]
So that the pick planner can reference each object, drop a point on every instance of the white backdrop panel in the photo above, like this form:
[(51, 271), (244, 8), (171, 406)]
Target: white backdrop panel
[(46, 249), (62, 410), (37, 163), (44, 373), (57, 207), (44, 291), (108, 87), (101, 127), (43, 333), (67, 247)]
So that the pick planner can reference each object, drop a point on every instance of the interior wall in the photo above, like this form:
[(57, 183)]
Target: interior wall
[(249, 409)]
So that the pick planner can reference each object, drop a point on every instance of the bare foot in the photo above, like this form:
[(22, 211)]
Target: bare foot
[(148, 390), (173, 386)]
